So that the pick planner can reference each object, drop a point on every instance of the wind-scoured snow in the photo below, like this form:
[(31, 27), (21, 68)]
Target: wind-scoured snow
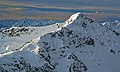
[(79, 45)]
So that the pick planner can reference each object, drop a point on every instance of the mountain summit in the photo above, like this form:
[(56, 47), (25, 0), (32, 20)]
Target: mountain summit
[(81, 45), (78, 17)]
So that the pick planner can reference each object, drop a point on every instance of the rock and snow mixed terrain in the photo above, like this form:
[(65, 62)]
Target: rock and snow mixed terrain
[(15, 37), (78, 45)]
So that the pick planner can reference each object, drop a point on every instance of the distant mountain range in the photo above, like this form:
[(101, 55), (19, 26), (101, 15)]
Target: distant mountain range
[(24, 22)]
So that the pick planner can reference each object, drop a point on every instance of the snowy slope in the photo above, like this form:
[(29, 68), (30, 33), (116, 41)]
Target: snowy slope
[(15, 37), (81, 45)]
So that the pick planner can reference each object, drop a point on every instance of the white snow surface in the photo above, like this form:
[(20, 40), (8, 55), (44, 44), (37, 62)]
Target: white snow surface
[(15, 37), (78, 45)]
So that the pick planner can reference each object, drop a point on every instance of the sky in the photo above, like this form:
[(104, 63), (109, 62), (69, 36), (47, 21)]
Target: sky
[(28, 8), (108, 3)]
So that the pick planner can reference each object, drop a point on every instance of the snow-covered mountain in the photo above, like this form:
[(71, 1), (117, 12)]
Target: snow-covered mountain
[(79, 45), (24, 22)]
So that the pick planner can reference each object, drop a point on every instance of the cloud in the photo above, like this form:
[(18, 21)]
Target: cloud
[(114, 3), (107, 3), (15, 9)]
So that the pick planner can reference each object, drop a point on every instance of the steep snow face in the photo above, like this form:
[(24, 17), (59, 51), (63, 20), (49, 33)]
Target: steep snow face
[(72, 18), (77, 17), (81, 45)]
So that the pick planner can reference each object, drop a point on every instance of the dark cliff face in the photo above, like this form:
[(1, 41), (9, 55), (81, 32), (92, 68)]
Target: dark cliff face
[(81, 45)]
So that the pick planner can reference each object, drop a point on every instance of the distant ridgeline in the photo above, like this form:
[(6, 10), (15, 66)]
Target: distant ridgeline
[(24, 22)]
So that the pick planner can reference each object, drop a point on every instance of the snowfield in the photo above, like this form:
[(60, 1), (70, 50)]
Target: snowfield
[(15, 37), (77, 45)]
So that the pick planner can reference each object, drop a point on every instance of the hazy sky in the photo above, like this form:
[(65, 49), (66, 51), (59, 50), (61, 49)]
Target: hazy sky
[(109, 3), (13, 9)]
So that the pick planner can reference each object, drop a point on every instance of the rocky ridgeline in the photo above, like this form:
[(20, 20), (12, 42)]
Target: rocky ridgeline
[(15, 31)]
